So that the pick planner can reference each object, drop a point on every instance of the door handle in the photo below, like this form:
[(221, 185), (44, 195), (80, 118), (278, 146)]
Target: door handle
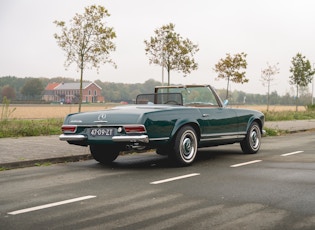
[(205, 115)]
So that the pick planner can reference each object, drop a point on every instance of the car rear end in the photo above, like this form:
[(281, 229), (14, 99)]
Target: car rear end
[(104, 127)]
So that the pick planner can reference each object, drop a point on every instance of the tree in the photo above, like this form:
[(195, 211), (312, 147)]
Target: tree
[(169, 50), (230, 69), (267, 76), (301, 73), (33, 87), (8, 92), (88, 42)]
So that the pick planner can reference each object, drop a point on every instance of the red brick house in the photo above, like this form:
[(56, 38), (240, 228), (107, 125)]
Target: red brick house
[(70, 92)]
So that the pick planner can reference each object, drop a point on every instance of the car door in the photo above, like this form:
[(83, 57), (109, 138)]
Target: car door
[(218, 122)]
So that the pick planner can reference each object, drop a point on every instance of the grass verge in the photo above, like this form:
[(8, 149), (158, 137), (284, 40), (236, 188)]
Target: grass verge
[(24, 128), (289, 115), (274, 132)]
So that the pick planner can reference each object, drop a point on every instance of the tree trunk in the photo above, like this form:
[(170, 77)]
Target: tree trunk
[(81, 83), (268, 97), (297, 98), (227, 89)]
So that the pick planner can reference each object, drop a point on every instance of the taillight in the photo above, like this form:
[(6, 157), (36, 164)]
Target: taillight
[(134, 129), (69, 128)]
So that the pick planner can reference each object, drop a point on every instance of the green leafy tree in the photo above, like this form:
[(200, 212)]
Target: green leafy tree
[(14, 82), (149, 85), (231, 68), (267, 76), (88, 41), (33, 87), (169, 50), (301, 73)]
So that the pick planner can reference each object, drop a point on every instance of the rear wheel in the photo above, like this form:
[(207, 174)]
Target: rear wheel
[(252, 141), (185, 146), (104, 154)]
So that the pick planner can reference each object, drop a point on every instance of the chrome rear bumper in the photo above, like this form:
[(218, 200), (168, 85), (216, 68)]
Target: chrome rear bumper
[(141, 138), (64, 137), (138, 138)]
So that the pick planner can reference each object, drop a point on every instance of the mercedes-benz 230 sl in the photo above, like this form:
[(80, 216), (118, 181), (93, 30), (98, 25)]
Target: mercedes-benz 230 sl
[(174, 120)]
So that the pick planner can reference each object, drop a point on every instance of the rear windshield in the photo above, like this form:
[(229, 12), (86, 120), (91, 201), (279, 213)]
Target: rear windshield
[(160, 98), (194, 96)]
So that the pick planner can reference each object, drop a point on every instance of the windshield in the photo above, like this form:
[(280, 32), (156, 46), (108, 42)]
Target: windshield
[(194, 96)]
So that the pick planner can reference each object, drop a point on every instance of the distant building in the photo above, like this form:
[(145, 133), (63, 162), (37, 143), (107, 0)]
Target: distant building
[(70, 92)]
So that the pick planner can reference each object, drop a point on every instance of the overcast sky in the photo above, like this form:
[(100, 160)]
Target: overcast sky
[(268, 31)]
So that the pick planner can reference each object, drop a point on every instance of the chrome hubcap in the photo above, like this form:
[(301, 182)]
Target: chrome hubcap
[(188, 146), (254, 139)]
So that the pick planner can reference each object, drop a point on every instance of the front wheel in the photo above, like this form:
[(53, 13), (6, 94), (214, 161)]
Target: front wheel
[(252, 141), (104, 154), (185, 146)]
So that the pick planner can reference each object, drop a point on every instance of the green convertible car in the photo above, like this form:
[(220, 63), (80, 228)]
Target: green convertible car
[(174, 120)]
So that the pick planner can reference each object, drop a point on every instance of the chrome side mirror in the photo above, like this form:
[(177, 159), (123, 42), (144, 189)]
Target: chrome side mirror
[(226, 102)]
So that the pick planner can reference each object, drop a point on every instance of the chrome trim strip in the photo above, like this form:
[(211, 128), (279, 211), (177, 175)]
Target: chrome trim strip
[(141, 138), (222, 134), (64, 137), (223, 138), (160, 139)]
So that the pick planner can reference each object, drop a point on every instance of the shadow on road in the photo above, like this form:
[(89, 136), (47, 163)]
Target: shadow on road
[(153, 160)]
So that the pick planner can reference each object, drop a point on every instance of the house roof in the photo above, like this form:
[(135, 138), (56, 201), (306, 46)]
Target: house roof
[(51, 86), (70, 86)]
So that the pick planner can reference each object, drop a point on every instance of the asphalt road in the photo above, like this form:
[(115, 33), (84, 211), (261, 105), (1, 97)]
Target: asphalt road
[(38, 150), (224, 189)]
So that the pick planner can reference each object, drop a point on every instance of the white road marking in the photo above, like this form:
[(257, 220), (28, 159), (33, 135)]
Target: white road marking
[(175, 178), (245, 163), (289, 154), (50, 205)]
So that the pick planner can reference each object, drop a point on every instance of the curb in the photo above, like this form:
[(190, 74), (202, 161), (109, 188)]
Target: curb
[(288, 131), (39, 162)]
